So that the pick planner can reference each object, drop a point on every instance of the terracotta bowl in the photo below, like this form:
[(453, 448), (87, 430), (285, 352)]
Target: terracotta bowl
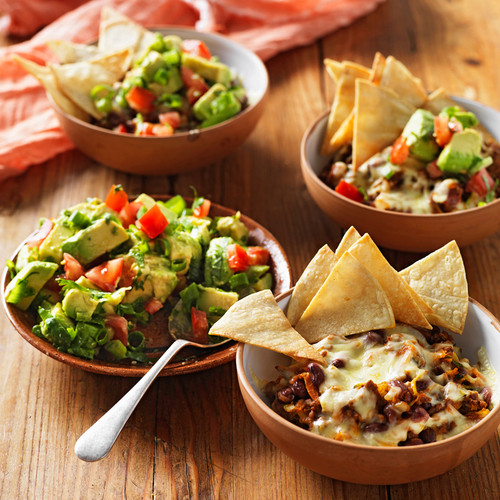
[(369, 464), (184, 151), (399, 231), (193, 360)]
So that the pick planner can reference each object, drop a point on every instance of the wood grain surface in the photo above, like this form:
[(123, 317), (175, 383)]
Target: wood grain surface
[(191, 436)]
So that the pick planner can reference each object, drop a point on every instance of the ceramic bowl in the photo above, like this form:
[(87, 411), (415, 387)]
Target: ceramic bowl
[(369, 464), (399, 231), (184, 151), (196, 359)]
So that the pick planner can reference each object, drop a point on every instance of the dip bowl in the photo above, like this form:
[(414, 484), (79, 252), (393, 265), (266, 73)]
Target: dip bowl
[(394, 230), (183, 151), (370, 464)]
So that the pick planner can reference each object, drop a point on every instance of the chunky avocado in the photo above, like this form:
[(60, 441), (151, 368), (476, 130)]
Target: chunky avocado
[(25, 286), (50, 249), (466, 118), (94, 209), (26, 255), (214, 297), (79, 305), (57, 328), (462, 152), (217, 271), (183, 249), (198, 228), (201, 108), (233, 227), (418, 134), (211, 70), (264, 283), (97, 239)]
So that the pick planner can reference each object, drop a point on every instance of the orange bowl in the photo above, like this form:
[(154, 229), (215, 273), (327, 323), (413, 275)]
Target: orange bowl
[(399, 231), (369, 464), (184, 151)]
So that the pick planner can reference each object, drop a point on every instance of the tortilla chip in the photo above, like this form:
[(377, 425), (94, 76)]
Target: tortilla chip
[(397, 77), (77, 80), (350, 237), (69, 52), (343, 102), (440, 280), (398, 291), (45, 76), (350, 301), (258, 320), (310, 282), (438, 100), (380, 116), (377, 68), (344, 133), (333, 68)]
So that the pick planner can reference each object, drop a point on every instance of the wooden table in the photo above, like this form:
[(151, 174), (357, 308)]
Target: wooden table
[(192, 437)]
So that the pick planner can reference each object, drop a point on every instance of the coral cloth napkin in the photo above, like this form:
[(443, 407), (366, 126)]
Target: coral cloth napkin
[(29, 130)]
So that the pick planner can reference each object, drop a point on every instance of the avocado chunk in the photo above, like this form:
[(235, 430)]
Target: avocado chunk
[(466, 118), (233, 227), (57, 328), (211, 70), (79, 305), (50, 249), (26, 255), (25, 286), (264, 283), (217, 271), (462, 152), (418, 135), (97, 239), (201, 108), (216, 105), (214, 297), (184, 249), (94, 209)]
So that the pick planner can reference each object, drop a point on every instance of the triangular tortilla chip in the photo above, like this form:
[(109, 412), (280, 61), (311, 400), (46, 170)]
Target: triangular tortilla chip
[(333, 68), (380, 116), (343, 102), (258, 320), (397, 77), (440, 280), (350, 301), (398, 291), (350, 237), (77, 80), (45, 76), (377, 68), (438, 100), (69, 52), (344, 133), (310, 282)]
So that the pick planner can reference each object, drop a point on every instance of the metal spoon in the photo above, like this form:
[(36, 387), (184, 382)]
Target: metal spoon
[(98, 440)]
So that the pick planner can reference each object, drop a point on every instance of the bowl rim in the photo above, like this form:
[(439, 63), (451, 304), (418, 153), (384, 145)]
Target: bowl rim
[(194, 132), (263, 407), (138, 370), (306, 165)]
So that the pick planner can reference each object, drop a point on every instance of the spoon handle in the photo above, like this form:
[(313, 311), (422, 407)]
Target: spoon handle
[(96, 442)]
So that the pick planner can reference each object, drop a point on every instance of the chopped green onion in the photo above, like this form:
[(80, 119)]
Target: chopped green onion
[(177, 204), (178, 265), (136, 340), (170, 100)]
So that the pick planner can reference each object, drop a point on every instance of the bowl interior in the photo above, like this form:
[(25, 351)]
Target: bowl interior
[(157, 337)]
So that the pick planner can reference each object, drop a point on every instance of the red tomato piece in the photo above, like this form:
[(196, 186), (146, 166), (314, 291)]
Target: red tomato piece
[(72, 268), (442, 131), (196, 48), (153, 305), (172, 118), (106, 275), (203, 209), (141, 100), (434, 171), (36, 239), (128, 214), (199, 325), (349, 191), (257, 256), (121, 129), (400, 151), (153, 222), (145, 128), (119, 325), (237, 257), (117, 198), (480, 183), (194, 83), (162, 130)]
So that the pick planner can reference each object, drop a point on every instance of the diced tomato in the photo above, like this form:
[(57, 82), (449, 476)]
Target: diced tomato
[(199, 325), (119, 325), (153, 222), (117, 198), (400, 151), (153, 305), (192, 95), (129, 272), (480, 183), (107, 274), (162, 130), (349, 191), (434, 171), (194, 83), (257, 256), (140, 99), (145, 128), (203, 209), (72, 268), (36, 239), (121, 129), (237, 258), (172, 118), (128, 214), (196, 48), (442, 131)]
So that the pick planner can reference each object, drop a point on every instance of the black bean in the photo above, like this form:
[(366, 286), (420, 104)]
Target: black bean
[(428, 435), (299, 389), (422, 385), (486, 394), (317, 374), (390, 413), (376, 427), (285, 395), (418, 414), (338, 363)]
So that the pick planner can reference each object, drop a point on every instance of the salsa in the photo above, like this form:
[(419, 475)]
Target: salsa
[(96, 275)]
